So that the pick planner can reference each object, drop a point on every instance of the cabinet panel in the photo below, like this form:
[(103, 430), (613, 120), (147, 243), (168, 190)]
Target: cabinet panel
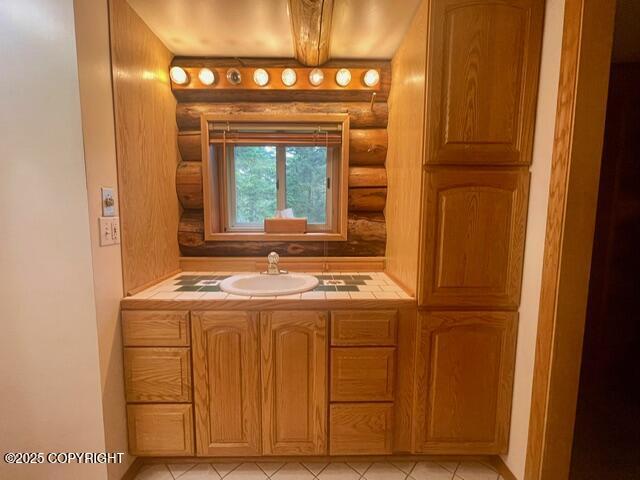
[(226, 383), (364, 327), (464, 381), (361, 429), (362, 374), (474, 242), (157, 374), (294, 375), (155, 328), (483, 75), (160, 430)]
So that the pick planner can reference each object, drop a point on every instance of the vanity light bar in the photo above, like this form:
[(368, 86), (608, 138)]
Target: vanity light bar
[(274, 78)]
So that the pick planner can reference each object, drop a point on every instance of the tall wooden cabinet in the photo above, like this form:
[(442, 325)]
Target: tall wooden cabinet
[(481, 80)]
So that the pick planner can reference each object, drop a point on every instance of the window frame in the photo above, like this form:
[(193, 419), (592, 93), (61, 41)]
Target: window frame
[(219, 193)]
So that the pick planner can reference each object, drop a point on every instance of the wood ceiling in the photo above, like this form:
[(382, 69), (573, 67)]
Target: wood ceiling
[(310, 30)]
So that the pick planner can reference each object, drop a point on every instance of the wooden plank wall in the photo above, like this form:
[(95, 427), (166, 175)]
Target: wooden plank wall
[(406, 151), (145, 147), (367, 156)]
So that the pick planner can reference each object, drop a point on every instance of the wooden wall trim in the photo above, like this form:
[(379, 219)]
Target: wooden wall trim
[(582, 93)]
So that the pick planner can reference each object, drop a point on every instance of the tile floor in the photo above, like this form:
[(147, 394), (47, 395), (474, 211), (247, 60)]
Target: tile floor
[(450, 470)]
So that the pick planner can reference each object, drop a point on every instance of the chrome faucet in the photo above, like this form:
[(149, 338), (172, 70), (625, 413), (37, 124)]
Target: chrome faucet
[(272, 264)]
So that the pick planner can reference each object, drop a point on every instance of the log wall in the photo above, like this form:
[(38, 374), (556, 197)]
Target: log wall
[(367, 174)]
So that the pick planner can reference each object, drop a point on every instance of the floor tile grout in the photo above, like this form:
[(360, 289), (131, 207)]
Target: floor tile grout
[(406, 472)]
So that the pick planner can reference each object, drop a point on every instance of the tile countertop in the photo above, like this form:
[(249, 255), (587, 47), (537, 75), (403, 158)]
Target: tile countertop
[(202, 288)]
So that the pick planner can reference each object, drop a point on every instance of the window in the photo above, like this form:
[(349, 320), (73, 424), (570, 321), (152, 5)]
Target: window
[(256, 166), (266, 178)]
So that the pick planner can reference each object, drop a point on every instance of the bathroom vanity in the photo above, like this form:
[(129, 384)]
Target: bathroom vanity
[(325, 372)]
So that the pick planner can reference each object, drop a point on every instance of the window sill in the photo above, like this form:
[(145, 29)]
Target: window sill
[(276, 237)]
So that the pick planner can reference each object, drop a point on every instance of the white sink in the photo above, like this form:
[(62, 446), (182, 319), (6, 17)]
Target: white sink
[(262, 285)]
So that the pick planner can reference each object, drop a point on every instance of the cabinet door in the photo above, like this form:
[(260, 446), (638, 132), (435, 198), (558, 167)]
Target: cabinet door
[(226, 383), (464, 382), (484, 58), (294, 382), (475, 223)]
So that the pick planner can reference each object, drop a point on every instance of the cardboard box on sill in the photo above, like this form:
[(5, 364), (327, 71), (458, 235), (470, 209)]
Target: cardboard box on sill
[(285, 225)]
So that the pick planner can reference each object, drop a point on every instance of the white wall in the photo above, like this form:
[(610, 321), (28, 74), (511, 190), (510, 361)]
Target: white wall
[(49, 372), (536, 229), (96, 100)]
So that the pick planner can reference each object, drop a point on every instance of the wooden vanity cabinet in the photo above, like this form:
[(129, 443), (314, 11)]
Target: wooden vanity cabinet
[(464, 381), (157, 370), (294, 382), (226, 368), (362, 381), (260, 382)]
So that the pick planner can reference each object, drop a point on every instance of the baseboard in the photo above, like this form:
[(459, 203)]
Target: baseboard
[(133, 469), (502, 468)]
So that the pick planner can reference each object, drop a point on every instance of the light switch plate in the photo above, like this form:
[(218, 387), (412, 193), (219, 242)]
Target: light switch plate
[(106, 231), (108, 202)]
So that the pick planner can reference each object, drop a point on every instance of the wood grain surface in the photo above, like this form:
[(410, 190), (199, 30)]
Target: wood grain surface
[(294, 382), (361, 428), (226, 383), (464, 382), (157, 374), (145, 148), (361, 114)]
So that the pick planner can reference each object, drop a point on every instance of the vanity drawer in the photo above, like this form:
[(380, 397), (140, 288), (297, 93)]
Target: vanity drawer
[(361, 428), (157, 374), (364, 327), (155, 328), (362, 374), (160, 430)]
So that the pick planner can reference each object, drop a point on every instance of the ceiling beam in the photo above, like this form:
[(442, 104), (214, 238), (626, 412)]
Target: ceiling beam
[(311, 30)]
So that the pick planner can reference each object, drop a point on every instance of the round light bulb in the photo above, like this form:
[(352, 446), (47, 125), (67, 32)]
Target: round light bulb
[(371, 78), (316, 77), (261, 77), (206, 76), (289, 77), (343, 77), (178, 75)]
